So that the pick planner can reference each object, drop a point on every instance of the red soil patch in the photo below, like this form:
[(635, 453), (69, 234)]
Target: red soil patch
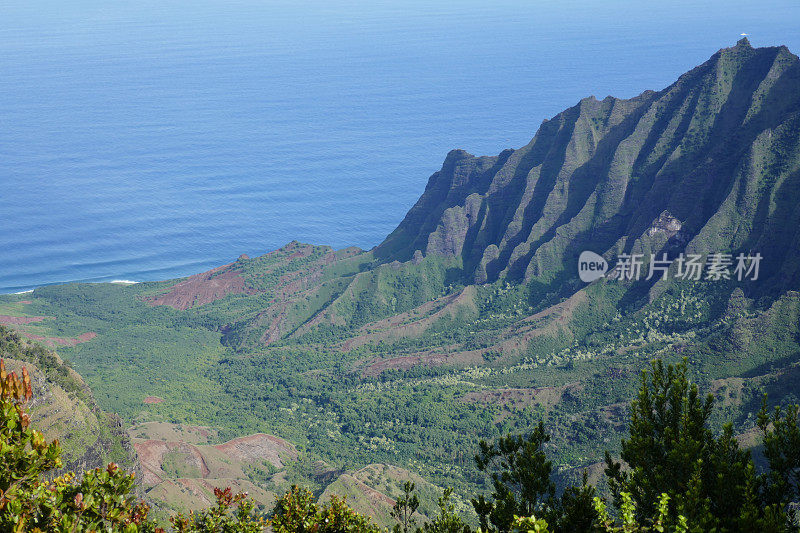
[(153, 399), (615, 414), (549, 321), (414, 322), (22, 320), (53, 341), (151, 455), (203, 288), (247, 449), (26, 302), (375, 496), (405, 362), (296, 285), (258, 446), (515, 338)]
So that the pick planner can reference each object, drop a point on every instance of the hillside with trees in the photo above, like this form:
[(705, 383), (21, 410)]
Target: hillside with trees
[(678, 476), (471, 323)]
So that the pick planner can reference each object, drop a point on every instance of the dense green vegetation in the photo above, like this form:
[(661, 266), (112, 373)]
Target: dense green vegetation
[(576, 377), (679, 477)]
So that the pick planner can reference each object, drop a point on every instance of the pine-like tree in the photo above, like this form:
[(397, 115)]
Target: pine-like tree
[(671, 450)]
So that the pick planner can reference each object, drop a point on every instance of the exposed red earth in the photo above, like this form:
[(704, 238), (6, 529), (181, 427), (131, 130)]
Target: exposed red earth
[(414, 322), (544, 396), (249, 449), (517, 398), (153, 399), (257, 447), (22, 320), (9, 320), (203, 288), (405, 362), (53, 341), (151, 454), (516, 338)]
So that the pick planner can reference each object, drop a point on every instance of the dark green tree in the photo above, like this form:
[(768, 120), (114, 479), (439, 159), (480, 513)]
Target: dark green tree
[(671, 450), (781, 430), (520, 476), (447, 521), (575, 511)]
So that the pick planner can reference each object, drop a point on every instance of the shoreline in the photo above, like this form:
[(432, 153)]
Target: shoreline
[(29, 291)]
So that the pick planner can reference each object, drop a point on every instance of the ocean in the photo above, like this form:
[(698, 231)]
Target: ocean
[(156, 139)]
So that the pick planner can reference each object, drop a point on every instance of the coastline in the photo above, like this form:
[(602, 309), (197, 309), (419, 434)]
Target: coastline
[(29, 291)]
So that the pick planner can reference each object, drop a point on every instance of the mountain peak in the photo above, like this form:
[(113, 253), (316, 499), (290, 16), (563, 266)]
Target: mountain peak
[(597, 175)]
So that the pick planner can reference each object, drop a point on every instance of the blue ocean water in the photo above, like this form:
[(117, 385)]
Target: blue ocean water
[(155, 139)]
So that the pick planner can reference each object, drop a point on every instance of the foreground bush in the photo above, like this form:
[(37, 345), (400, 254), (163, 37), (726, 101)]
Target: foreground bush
[(297, 512), (101, 501)]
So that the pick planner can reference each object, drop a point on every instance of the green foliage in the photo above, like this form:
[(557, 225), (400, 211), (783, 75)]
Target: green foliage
[(781, 430), (101, 501), (520, 476), (24, 454), (447, 521), (58, 372), (297, 512), (222, 518), (708, 479), (99, 434), (404, 508), (628, 522), (529, 524), (575, 509)]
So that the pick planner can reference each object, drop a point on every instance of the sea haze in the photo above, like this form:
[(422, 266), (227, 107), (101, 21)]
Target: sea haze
[(155, 139)]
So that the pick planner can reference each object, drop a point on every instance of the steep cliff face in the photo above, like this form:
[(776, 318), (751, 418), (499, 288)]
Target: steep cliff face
[(714, 156), (64, 408)]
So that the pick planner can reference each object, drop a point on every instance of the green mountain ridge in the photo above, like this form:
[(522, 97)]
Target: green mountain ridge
[(716, 150)]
